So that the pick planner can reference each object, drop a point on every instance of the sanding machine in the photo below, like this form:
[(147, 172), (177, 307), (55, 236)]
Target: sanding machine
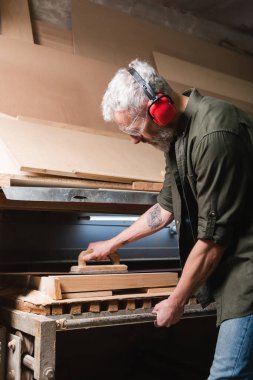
[(44, 232)]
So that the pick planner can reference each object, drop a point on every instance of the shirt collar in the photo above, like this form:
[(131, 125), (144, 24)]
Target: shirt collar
[(192, 106)]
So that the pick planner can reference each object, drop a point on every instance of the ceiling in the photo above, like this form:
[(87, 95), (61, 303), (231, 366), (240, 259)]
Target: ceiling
[(227, 23)]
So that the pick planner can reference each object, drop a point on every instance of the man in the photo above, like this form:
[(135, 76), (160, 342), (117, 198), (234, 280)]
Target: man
[(208, 147)]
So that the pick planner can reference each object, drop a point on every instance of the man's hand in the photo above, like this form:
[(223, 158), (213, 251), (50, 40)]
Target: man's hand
[(168, 312), (101, 249)]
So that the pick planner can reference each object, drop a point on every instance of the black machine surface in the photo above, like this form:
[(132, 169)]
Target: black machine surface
[(48, 241)]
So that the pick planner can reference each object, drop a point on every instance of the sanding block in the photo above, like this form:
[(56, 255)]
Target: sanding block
[(84, 268)]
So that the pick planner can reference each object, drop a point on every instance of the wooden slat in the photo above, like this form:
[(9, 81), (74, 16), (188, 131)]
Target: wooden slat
[(113, 306), (147, 186), (91, 269), (72, 153), (104, 282), (15, 20), (94, 307), (147, 304), (161, 289), (48, 285), (130, 305), (86, 294), (52, 181), (76, 309), (57, 310), (130, 298)]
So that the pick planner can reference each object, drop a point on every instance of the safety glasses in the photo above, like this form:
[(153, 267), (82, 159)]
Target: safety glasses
[(136, 127)]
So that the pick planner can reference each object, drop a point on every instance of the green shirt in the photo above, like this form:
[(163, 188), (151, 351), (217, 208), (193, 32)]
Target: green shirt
[(208, 188)]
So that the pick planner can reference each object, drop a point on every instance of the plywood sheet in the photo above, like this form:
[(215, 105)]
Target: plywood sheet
[(134, 37), (15, 20), (192, 75), (53, 36), (74, 153), (48, 84)]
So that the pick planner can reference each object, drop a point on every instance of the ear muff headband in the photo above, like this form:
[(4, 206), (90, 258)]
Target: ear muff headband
[(161, 108), (144, 85)]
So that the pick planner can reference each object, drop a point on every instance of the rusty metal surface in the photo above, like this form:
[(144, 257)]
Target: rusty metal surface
[(53, 194)]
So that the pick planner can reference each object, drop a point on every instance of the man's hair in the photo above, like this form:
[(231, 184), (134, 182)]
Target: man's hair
[(125, 94)]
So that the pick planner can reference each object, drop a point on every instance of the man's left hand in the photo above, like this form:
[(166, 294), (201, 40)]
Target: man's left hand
[(168, 312)]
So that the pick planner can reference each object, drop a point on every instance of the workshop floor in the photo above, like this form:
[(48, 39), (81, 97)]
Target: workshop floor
[(182, 352)]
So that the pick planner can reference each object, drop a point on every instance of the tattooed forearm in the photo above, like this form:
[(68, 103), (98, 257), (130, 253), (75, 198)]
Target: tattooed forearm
[(155, 217)]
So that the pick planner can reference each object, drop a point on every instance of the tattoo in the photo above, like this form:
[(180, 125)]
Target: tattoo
[(154, 217), (125, 242)]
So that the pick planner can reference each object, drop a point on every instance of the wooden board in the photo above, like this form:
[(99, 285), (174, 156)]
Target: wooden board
[(193, 75), (73, 153), (94, 131), (50, 285), (135, 37), (80, 295), (147, 186), (45, 83), (15, 20), (52, 181), (53, 36)]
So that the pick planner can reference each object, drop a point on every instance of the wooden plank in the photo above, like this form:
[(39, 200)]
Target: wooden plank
[(76, 309), (10, 175), (68, 93), (134, 37), (147, 186), (147, 304), (204, 78), (113, 306), (8, 165), (15, 20), (80, 295), (94, 307), (57, 310), (161, 289), (29, 307), (81, 128), (91, 269), (48, 285), (73, 153), (80, 283), (130, 305), (52, 181), (130, 298)]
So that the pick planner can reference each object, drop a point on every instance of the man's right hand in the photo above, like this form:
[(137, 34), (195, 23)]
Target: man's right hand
[(101, 249)]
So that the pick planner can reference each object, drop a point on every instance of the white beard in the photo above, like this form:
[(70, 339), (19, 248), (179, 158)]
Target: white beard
[(163, 140)]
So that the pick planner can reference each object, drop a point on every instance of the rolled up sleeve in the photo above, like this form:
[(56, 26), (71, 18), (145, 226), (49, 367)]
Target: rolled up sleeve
[(221, 181)]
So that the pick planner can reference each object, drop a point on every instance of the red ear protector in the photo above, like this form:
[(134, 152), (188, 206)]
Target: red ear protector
[(161, 108)]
